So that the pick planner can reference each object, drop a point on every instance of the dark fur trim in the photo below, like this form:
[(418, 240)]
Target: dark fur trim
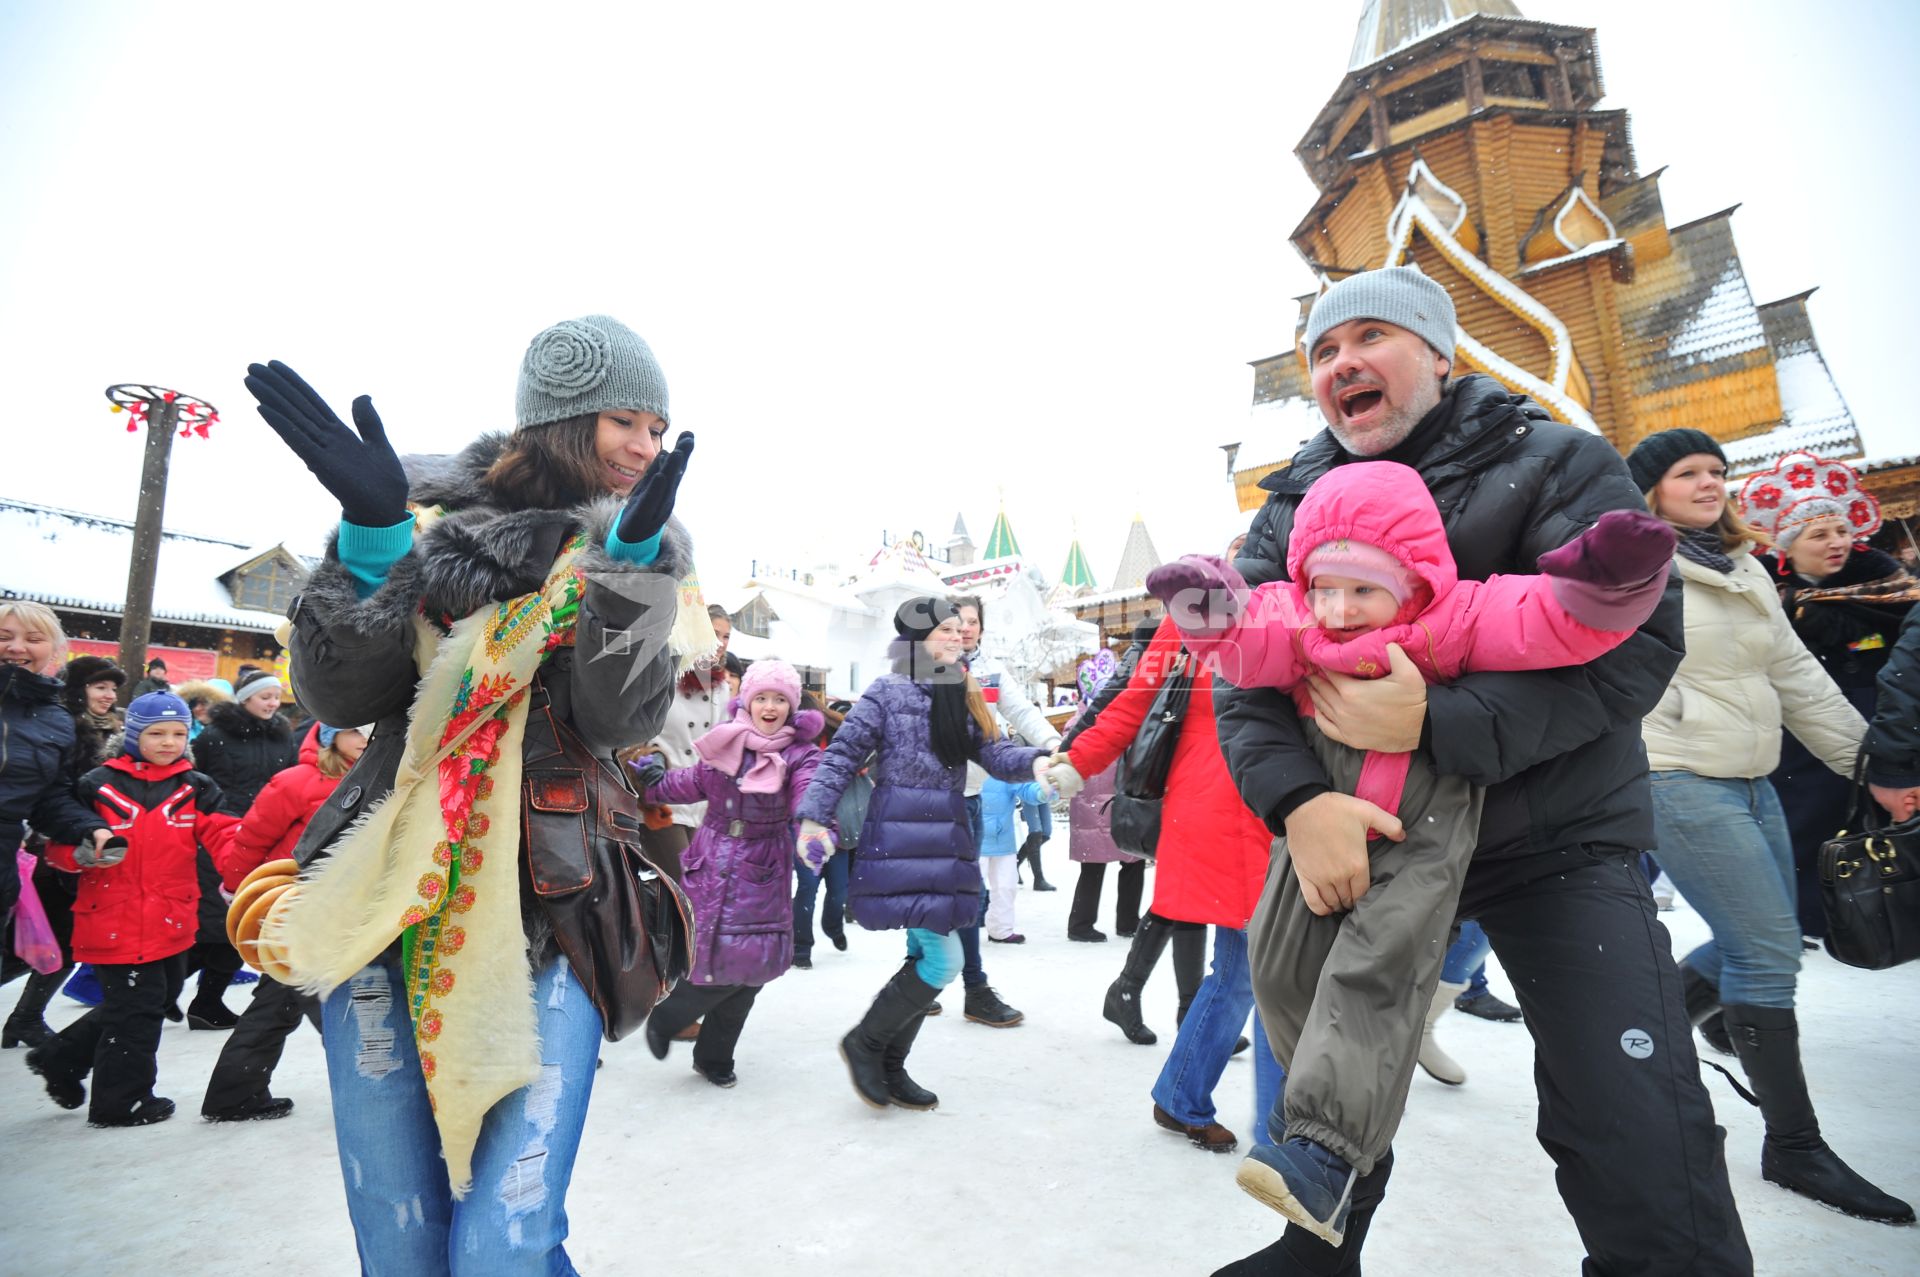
[(237, 722), (479, 553)]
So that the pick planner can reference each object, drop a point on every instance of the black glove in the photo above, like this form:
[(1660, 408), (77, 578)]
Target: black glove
[(651, 770), (361, 472), (651, 502)]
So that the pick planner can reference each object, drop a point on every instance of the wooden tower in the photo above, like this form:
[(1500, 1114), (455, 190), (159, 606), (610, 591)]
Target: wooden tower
[(1468, 140)]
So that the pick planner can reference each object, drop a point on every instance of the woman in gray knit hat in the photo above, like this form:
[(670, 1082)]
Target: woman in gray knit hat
[(491, 613)]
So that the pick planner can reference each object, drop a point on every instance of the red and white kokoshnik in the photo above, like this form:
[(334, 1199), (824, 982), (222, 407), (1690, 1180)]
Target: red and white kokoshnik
[(1769, 499)]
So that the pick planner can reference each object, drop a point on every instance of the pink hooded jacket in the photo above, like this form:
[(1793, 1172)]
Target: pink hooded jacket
[(1502, 623)]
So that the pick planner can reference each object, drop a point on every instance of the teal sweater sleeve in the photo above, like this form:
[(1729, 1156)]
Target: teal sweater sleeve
[(368, 554), (636, 552)]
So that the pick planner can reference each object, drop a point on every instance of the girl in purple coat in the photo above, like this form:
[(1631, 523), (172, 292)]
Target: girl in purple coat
[(918, 866), (738, 870)]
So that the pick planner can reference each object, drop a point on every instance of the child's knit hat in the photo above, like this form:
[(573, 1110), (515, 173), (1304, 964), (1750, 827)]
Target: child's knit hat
[(770, 675), (152, 709), (1363, 562)]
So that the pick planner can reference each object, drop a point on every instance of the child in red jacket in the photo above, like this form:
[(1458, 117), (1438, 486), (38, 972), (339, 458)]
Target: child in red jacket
[(136, 913), (239, 1090)]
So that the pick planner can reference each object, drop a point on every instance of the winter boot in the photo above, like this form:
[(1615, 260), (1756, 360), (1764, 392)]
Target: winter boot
[(901, 1089), (1440, 1066), (1487, 1007), (864, 1048), (209, 1009), (259, 1108), (985, 1007), (27, 1025), (1767, 1040), (1211, 1136), (1703, 1009), (1189, 966), (64, 1084), (1312, 1186), (155, 1108), (1122, 1006), (1030, 852)]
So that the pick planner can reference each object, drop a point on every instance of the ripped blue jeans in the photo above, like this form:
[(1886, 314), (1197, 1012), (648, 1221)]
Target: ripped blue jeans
[(406, 1222)]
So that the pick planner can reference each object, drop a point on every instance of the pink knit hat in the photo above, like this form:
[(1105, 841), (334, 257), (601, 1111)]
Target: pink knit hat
[(1362, 562), (771, 675)]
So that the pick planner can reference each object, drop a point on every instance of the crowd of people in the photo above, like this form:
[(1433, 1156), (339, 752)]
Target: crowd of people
[(1462, 672)]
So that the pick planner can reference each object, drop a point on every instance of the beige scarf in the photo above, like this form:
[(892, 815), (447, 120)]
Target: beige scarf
[(435, 864)]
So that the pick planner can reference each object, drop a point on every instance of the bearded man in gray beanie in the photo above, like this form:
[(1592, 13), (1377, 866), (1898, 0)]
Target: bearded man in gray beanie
[(1567, 805)]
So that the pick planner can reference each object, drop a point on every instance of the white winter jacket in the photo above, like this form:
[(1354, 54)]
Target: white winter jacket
[(692, 716), (1746, 674), (1018, 715)]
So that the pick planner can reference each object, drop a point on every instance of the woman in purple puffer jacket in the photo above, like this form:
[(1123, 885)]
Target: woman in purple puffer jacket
[(738, 870), (918, 866)]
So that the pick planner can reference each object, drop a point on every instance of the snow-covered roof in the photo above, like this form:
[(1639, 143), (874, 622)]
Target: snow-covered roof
[(66, 558), (1813, 415), (1594, 249), (1137, 558), (1387, 26), (1690, 316)]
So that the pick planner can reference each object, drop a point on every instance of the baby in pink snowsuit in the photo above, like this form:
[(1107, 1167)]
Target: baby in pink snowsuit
[(1370, 566), (1347, 997)]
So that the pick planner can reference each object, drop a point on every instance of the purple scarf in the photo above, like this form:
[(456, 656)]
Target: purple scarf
[(726, 748)]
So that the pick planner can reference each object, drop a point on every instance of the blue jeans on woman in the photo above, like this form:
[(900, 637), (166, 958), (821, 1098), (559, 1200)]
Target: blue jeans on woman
[(806, 892), (513, 1219), (1206, 1039), (1466, 960), (1725, 845)]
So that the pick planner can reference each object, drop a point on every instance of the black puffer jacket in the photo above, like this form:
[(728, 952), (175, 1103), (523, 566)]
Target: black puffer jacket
[(1559, 749), (38, 759), (242, 753), (1893, 741), (1830, 628)]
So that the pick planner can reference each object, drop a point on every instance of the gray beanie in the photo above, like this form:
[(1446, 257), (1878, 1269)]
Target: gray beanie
[(1398, 295), (587, 365)]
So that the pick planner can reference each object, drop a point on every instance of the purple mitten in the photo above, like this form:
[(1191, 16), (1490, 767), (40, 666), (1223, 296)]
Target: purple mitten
[(1203, 593), (1611, 576), (1624, 548)]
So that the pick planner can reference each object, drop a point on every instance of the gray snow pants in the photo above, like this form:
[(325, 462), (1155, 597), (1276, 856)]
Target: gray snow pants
[(1344, 998)]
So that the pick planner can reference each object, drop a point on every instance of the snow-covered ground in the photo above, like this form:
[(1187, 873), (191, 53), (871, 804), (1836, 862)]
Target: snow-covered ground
[(1042, 1157)]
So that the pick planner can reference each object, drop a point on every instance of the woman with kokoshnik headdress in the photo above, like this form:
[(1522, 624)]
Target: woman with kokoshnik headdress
[(474, 607)]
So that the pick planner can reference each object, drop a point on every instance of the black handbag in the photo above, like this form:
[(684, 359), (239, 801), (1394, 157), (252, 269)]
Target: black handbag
[(1870, 886), (1140, 778)]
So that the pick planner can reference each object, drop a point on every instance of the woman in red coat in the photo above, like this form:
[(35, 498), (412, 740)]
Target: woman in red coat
[(1212, 862), (239, 1090)]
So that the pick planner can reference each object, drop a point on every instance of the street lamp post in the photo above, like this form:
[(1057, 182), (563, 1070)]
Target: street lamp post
[(162, 411)]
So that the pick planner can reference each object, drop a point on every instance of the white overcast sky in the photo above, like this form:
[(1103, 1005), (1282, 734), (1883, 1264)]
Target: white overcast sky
[(896, 260)]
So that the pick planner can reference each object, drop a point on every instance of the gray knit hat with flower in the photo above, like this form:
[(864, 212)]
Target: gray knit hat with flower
[(587, 365), (1399, 295)]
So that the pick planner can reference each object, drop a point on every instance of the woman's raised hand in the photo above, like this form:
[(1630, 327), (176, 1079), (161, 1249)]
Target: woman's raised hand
[(361, 471), (650, 503)]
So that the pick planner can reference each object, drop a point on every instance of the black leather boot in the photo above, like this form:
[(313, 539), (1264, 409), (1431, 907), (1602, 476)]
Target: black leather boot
[(864, 1048), (27, 1025), (1030, 852), (901, 1089), (1767, 1040), (1189, 967), (1122, 1006), (1703, 1008)]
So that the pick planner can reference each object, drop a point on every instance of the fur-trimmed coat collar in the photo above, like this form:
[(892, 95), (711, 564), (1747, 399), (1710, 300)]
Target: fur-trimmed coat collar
[(482, 552)]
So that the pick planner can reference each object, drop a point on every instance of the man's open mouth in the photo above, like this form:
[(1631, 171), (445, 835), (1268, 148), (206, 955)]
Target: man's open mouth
[(1358, 401)]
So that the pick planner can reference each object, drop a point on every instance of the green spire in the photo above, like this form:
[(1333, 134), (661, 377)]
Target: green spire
[(1077, 573), (1000, 543)]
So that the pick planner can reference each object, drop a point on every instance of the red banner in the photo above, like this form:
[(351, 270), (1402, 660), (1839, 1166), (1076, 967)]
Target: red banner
[(183, 663)]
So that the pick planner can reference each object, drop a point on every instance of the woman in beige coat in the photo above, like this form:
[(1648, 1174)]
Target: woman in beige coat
[(1711, 743)]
